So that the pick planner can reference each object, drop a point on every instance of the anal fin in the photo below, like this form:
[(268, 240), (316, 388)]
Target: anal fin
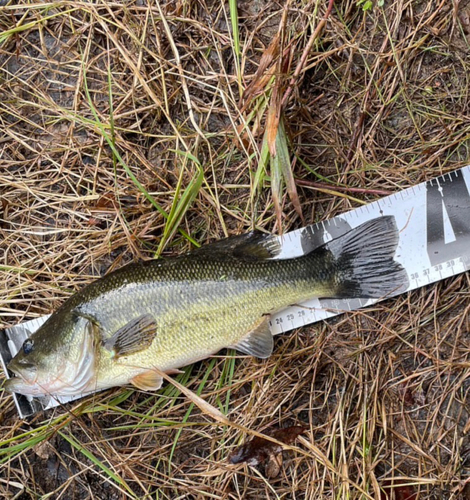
[(147, 381), (259, 341)]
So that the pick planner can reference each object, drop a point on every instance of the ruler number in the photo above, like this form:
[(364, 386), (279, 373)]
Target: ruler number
[(447, 204)]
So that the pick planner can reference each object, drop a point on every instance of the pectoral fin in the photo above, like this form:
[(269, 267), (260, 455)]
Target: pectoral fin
[(135, 336), (259, 341), (148, 381)]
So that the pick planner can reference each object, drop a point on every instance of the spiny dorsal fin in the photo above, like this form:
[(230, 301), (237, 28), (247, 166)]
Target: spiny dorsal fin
[(133, 337), (259, 342), (147, 381), (249, 246)]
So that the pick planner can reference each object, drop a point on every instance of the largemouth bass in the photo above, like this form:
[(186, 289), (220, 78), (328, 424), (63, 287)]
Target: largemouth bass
[(168, 313)]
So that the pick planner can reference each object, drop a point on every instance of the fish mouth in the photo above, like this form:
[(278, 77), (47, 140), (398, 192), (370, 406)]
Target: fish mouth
[(24, 370), (26, 383), (19, 385), (24, 378), (69, 379)]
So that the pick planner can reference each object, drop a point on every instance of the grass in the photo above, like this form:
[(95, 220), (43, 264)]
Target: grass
[(132, 130)]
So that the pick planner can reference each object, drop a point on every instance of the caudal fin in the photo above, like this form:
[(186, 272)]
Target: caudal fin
[(364, 261)]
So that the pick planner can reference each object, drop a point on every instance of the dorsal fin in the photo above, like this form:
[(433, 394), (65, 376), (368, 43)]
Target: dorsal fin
[(249, 246)]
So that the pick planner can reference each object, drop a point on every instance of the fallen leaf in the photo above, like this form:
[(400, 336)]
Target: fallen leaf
[(259, 451), (105, 202), (391, 491), (44, 449), (93, 221), (272, 120), (260, 79), (464, 16)]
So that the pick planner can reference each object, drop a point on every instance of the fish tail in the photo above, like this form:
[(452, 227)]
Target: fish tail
[(363, 261)]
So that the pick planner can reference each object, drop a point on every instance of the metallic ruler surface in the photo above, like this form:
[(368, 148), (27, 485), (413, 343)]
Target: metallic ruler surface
[(433, 219)]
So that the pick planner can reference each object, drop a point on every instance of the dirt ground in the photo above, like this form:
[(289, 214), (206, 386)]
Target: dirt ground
[(106, 110)]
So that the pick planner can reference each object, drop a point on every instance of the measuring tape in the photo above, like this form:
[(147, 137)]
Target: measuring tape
[(433, 219)]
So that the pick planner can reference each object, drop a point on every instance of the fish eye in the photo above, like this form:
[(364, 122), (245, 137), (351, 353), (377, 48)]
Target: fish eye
[(28, 346)]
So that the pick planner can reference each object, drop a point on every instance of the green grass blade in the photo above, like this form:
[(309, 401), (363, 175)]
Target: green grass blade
[(73, 442), (234, 21), (104, 133), (284, 165), (191, 406), (29, 443), (5, 35), (260, 174), (233, 7), (276, 184), (226, 379), (180, 206), (111, 115)]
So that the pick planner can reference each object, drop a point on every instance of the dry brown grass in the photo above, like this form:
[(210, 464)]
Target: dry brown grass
[(382, 103)]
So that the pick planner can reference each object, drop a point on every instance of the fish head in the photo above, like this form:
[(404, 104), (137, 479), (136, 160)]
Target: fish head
[(59, 359)]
